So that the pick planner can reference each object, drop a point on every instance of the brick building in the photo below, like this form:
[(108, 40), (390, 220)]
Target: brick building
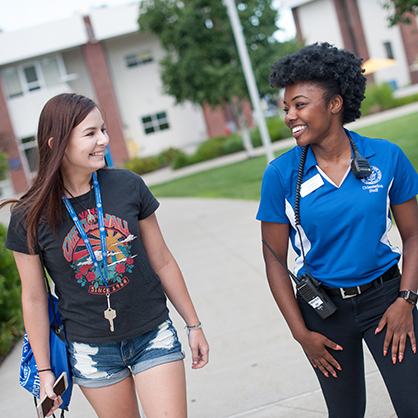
[(361, 26), (102, 56)]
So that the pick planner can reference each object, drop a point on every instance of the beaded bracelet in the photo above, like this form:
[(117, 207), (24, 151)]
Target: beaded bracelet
[(198, 326), (44, 370)]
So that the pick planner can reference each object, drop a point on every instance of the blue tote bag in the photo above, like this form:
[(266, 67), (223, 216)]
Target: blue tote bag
[(29, 376)]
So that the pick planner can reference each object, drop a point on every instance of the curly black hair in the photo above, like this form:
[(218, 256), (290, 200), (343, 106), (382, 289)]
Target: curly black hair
[(338, 71)]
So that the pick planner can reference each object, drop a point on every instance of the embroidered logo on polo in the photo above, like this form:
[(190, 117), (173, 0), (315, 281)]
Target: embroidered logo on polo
[(372, 180), (119, 259)]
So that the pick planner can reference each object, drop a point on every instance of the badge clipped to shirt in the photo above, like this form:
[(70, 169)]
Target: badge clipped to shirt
[(311, 185)]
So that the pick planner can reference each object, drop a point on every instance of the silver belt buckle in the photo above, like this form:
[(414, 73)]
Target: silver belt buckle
[(344, 296)]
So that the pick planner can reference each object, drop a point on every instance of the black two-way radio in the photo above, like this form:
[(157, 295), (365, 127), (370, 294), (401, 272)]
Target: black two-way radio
[(310, 289), (359, 165)]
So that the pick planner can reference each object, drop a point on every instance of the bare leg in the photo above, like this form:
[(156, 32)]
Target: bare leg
[(118, 400), (162, 390)]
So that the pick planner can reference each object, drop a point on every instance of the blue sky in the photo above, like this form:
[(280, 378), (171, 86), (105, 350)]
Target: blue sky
[(19, 14)]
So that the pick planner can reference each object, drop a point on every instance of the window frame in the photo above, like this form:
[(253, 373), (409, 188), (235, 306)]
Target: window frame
[(40, 84), (136, 59), (157, 122), (31, 143), (388, 50)]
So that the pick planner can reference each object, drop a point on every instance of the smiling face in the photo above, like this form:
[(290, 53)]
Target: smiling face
[(86, 147), (308, 115)]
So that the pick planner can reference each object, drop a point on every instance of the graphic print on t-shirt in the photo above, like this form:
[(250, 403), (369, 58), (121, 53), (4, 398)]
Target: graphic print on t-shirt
[(119, 258)]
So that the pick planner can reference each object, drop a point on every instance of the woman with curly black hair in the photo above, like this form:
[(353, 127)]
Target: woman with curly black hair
[(332, 195)]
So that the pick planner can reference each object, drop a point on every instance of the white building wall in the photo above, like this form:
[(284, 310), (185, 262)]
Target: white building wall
[(139, 93), (76, 67), (319, 23), (24, 111), (110, 22), (377, 32), (294, 3), (41, 40)]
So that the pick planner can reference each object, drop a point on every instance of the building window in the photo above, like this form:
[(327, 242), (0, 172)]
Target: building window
[(34, 76), (133, 60), (51, 71), (156, 122), (31, 78), (12, 82), (388, 49), (30, 148)]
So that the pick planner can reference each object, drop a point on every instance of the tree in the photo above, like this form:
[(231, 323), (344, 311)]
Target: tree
[(201, 62), (400, 9), (11, 320), (4, 166)]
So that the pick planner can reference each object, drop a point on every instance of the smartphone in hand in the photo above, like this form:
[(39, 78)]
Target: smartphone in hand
[(60, 387)]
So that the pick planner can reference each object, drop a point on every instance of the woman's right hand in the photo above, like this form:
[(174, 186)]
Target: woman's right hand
[(315, 346), (47, 388), (199, 347)]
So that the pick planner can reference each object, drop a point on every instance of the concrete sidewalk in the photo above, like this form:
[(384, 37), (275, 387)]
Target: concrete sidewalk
[(256, 369)]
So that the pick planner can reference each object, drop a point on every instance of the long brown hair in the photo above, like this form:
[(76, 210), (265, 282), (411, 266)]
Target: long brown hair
[(60, 115)]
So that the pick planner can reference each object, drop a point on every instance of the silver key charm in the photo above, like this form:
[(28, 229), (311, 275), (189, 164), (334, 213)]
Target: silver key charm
[(110, 315)]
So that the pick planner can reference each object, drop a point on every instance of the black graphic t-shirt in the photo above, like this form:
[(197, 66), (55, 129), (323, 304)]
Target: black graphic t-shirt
[(135, 289)]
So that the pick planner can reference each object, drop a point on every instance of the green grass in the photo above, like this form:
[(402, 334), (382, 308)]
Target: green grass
[(236, 181), (403, 131), (243, 180)]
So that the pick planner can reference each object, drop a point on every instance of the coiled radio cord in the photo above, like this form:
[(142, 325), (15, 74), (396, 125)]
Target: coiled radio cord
[(297, 201)]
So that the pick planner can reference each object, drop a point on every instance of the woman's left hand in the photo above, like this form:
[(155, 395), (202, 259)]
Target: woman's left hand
[(399, 326), (47, 380), (199, 347)]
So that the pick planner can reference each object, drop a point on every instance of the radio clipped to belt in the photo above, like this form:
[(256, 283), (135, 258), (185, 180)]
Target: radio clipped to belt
[(310, 289)]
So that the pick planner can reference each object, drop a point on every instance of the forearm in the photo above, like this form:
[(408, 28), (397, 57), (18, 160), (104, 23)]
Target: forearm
[(35, 306), (164, 264), (277, 237), (406, 217), (176, 290), (36, 319), (283, 293), (409, 279)]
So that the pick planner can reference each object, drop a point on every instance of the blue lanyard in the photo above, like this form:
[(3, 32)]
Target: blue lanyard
[(102, 230)]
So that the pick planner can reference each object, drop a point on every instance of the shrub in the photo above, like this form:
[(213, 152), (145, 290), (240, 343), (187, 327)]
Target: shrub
[(401, 101), (212, 148), (378, 97), (181, 160), (4, 166), (11, 318), (167, 156), (277, 130), (256, 138), (143, 165), (233, 144)]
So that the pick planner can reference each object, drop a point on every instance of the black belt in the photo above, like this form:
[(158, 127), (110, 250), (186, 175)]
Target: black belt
[(349, 292)]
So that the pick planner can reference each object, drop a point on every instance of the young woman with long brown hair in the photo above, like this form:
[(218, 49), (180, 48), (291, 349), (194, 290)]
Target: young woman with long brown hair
[(97, 233)]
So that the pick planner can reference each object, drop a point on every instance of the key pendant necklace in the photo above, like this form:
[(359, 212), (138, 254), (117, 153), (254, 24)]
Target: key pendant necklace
[(91, 218), (109, 313)]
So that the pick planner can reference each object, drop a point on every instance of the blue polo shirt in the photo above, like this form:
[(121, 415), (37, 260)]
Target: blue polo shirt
[(344, 229)]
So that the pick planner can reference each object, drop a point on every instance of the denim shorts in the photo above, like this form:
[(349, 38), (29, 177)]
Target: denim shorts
[(98, 365)]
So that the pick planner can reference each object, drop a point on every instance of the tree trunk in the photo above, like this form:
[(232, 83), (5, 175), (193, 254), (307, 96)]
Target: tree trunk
[(245, 132)]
